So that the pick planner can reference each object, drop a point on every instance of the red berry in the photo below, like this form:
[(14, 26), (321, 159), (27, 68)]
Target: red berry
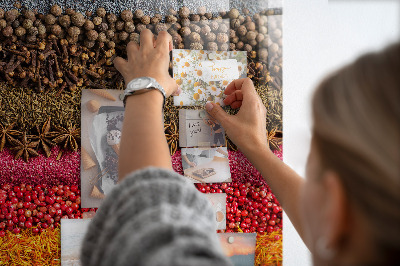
[(35, 230), (69, 210), (232, 225), (28, 224), (16, 230), (2, 233), (270, 229), (276, 209)]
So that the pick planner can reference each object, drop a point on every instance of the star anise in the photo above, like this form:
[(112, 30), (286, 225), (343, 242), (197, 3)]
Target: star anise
[(172, 136), (275, 139), (7, 134), (68, 138), (45, 137), (24, 148)]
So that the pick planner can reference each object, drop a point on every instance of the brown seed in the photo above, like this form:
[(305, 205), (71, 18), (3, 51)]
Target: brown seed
[(74, 31), (1, 13), (56, 30), (134, 37), (101, 12), (97, 21), (248, 48), (102, 27), (224, 47), (145, 20), (201, 10), (129, 27), (50, 19), (212, 46), (11, 15), (184, 12), (139, 14), (185, 31), (211, 37), (170, 19), (56, 10), (111, 18), (20, 31), (194, 37), (222, 38), (110, 34), (140, 28), (185, 22), (92, 35), (69, 11), (27, 24), (102, 37), (89, 44), (195, 28), (196, 46), (233, 13), (7, 31), (242, 31), (126, 15), (251, 35), (65, 21), (78, 19)]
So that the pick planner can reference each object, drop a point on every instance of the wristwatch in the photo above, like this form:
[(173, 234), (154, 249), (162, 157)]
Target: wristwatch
[(141, 85)]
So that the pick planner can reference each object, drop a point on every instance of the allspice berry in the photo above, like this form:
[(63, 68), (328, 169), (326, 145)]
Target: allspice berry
[(7, 31), (123, 35), (41, 29), (102, 37), (11, 15), (145, 20), (170, 19), (196, 46), (139, 14), (212, 46), (78, 19), (185, 31), (248, 48), (140, 27), (235, 23), (222, 38), (194, 37), (160, 27), (233, 13), (111, 18), (89, 44), (49, 19), (172, 11), (205, 30), (250, 26), (242, 31), (20, 31), (224, 47), (56, 29), (73, 31), (211, 37), (195, 28), (251, 35), (69, 11), (274, 48), (28, 14), (232, 46), (154, 20), (129, 27), (195, 17), (126, 15), (56, 10), (134, 37), (263, 54), (184, 12), (102, 27), (92, 35), (110, 34), (88, 25), (239, 45), (119, 25), (65, 21), (201, 10), (208, 15), (223, 28), (214, 25), (97, 21), (27, 24), (33, 31), (101, 12), (2, 12)]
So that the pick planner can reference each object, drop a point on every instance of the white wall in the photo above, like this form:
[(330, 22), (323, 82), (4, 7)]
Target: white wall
[(320, 36)]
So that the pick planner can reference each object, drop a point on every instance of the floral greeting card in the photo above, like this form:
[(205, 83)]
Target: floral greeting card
[(203, 75)]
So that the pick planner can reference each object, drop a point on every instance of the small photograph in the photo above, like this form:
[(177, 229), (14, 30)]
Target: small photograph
[(206, 165), (239, 247), (203, 75), (72, 233), (102, 115), (198, 129), (218, 201)]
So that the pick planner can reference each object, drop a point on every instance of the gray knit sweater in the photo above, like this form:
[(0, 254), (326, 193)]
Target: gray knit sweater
[(154, 217)]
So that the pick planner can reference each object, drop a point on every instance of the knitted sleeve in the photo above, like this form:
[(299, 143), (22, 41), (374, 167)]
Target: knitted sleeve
[(153, 217)]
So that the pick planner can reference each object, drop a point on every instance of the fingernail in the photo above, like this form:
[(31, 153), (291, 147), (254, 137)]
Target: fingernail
[(179, 90), (209, 106)]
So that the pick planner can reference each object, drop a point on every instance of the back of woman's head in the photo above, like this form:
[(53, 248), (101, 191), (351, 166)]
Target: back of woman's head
[(356, 115)]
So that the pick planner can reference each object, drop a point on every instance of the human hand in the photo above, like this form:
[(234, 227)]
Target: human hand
[(247, 129), (192, 164), (149, 59)]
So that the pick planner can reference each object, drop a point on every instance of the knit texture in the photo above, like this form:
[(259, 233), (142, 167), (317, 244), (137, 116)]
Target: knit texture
[(153, 217)]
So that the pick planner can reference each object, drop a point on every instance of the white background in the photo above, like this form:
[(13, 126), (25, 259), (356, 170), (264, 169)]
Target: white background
[(320, 36)]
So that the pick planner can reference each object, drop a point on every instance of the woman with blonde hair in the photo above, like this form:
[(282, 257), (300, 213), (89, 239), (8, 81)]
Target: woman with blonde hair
[(347, 210)]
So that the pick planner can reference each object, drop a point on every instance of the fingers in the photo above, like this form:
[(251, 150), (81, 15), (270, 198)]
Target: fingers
[(234, 85), (234, 99), (146, 40), (119, 63), (164, 42), (177, 92), (217, 113), (131, 49)]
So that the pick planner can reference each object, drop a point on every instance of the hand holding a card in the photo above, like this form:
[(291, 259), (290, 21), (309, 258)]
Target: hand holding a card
[(149, 59), (247, 128)]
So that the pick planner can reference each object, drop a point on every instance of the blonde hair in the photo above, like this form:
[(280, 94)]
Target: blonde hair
[(356, 114)]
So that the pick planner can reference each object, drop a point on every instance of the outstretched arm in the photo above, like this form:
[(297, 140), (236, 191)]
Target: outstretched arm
[(247, 129), (143, 141)]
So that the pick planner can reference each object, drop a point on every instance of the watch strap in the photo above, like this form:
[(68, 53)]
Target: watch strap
[(153, 85)]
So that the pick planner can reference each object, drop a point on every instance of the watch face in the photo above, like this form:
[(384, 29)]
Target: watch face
[(140, 83)]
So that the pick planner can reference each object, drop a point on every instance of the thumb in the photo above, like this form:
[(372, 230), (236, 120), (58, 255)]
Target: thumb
[(218, 113)]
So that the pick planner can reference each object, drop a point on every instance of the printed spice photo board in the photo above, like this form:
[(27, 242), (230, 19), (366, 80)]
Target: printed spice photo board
[(203, 75), (102, 117)]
